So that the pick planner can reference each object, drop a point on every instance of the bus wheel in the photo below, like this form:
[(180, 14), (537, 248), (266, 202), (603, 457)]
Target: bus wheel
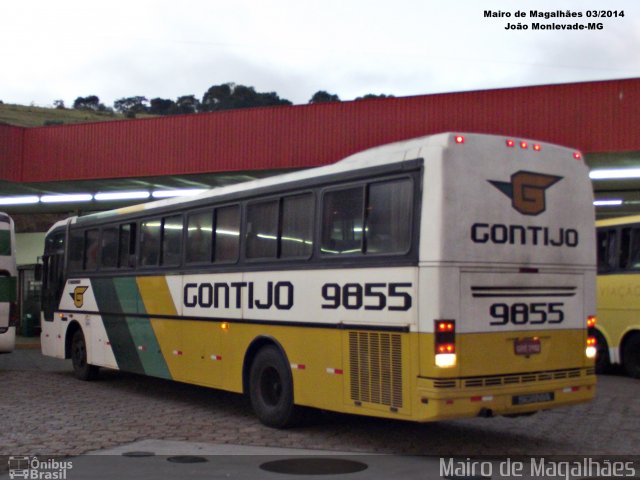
[(271, 389), (81, 369), (631, 356), (603, 362)]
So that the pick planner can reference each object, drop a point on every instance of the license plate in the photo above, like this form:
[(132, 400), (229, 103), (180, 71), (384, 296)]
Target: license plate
[(532, 398), (527, 346)]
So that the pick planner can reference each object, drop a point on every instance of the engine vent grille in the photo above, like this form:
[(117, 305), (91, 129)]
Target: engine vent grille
[(376, 368)]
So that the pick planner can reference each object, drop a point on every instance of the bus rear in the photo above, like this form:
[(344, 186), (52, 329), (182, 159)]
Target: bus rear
[(8, 284), (507, 278)]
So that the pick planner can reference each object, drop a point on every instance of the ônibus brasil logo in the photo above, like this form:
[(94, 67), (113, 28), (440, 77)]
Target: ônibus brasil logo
[(527, 190)]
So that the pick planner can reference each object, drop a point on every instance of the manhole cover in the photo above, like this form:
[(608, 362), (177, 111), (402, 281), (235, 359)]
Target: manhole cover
[(314, 466), (138, 454), (186, 459)]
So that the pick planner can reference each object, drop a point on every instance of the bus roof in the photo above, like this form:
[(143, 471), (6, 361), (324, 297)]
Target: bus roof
[(612, 222)]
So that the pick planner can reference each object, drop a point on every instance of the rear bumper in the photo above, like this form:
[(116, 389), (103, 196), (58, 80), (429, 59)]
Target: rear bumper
[(440, 399)]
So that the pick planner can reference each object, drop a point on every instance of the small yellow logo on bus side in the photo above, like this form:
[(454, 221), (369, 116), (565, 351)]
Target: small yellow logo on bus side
[(527, 190), (78, 296)]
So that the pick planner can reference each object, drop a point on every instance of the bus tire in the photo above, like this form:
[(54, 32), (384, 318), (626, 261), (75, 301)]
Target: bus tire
[(631, 356), (81, 369), (271, 389), (603, 362)]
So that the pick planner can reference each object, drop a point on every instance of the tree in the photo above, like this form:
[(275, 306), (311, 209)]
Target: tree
[(59, 104), (131, 106), (229, 96), (322, 96), (186, 104), (161, 106), (369, 96), (92, 102), (218, 97)]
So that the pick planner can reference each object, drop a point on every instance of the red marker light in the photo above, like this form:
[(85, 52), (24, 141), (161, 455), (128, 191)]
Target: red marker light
[(446, 348), (537, 147), (510, 143), (445, 326), (524, 145), (577, 155), (459, 139)]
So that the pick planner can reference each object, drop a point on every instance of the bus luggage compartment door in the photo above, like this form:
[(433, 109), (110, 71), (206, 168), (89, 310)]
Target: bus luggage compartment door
[(520, 322)]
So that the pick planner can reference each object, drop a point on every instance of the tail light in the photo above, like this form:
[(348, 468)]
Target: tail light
[(445, 343), (592, 343)]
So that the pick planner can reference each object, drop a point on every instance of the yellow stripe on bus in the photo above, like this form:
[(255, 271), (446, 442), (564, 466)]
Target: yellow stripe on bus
[(157, 300)]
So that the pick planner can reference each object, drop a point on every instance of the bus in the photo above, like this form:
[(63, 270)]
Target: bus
[(8, 285), (618, 297), (441, 277)]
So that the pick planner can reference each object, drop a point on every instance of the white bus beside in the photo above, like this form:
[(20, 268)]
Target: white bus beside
[(8, 284)]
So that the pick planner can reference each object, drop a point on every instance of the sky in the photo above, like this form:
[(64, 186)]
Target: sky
[(63, 49)]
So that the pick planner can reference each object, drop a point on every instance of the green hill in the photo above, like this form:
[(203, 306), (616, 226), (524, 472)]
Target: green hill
[(25, 116)]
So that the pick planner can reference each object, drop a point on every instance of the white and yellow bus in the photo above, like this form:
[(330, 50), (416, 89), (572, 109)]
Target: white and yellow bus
[(441, 277), (618, 298), (8, 285)]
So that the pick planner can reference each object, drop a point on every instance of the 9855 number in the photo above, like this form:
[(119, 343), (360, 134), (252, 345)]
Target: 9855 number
[(370, 296), (527, 313)]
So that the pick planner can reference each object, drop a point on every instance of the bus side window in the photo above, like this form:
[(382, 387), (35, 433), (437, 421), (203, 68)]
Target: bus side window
[(91, 248), (342, 212), (389, 212), (296, 240), (109, 256), (227, 235), (76, 249), (127, 246), (172, 228), (634, 249), (607, 250), (199, 237), (150, 242), (625, 244), (262, 229)]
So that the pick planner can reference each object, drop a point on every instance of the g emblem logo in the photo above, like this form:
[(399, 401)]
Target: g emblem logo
[(78, 296), (527, 191)]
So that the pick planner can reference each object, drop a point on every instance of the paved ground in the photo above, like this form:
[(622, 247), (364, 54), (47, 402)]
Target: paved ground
[(49, 412)]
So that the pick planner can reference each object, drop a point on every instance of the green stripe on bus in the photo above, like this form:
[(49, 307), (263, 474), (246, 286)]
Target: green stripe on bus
[(5, 242), (115, 324), (8, 289), (142, 334)]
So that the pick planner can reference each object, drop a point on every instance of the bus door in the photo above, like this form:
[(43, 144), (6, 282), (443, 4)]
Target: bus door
[(52, 286)]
